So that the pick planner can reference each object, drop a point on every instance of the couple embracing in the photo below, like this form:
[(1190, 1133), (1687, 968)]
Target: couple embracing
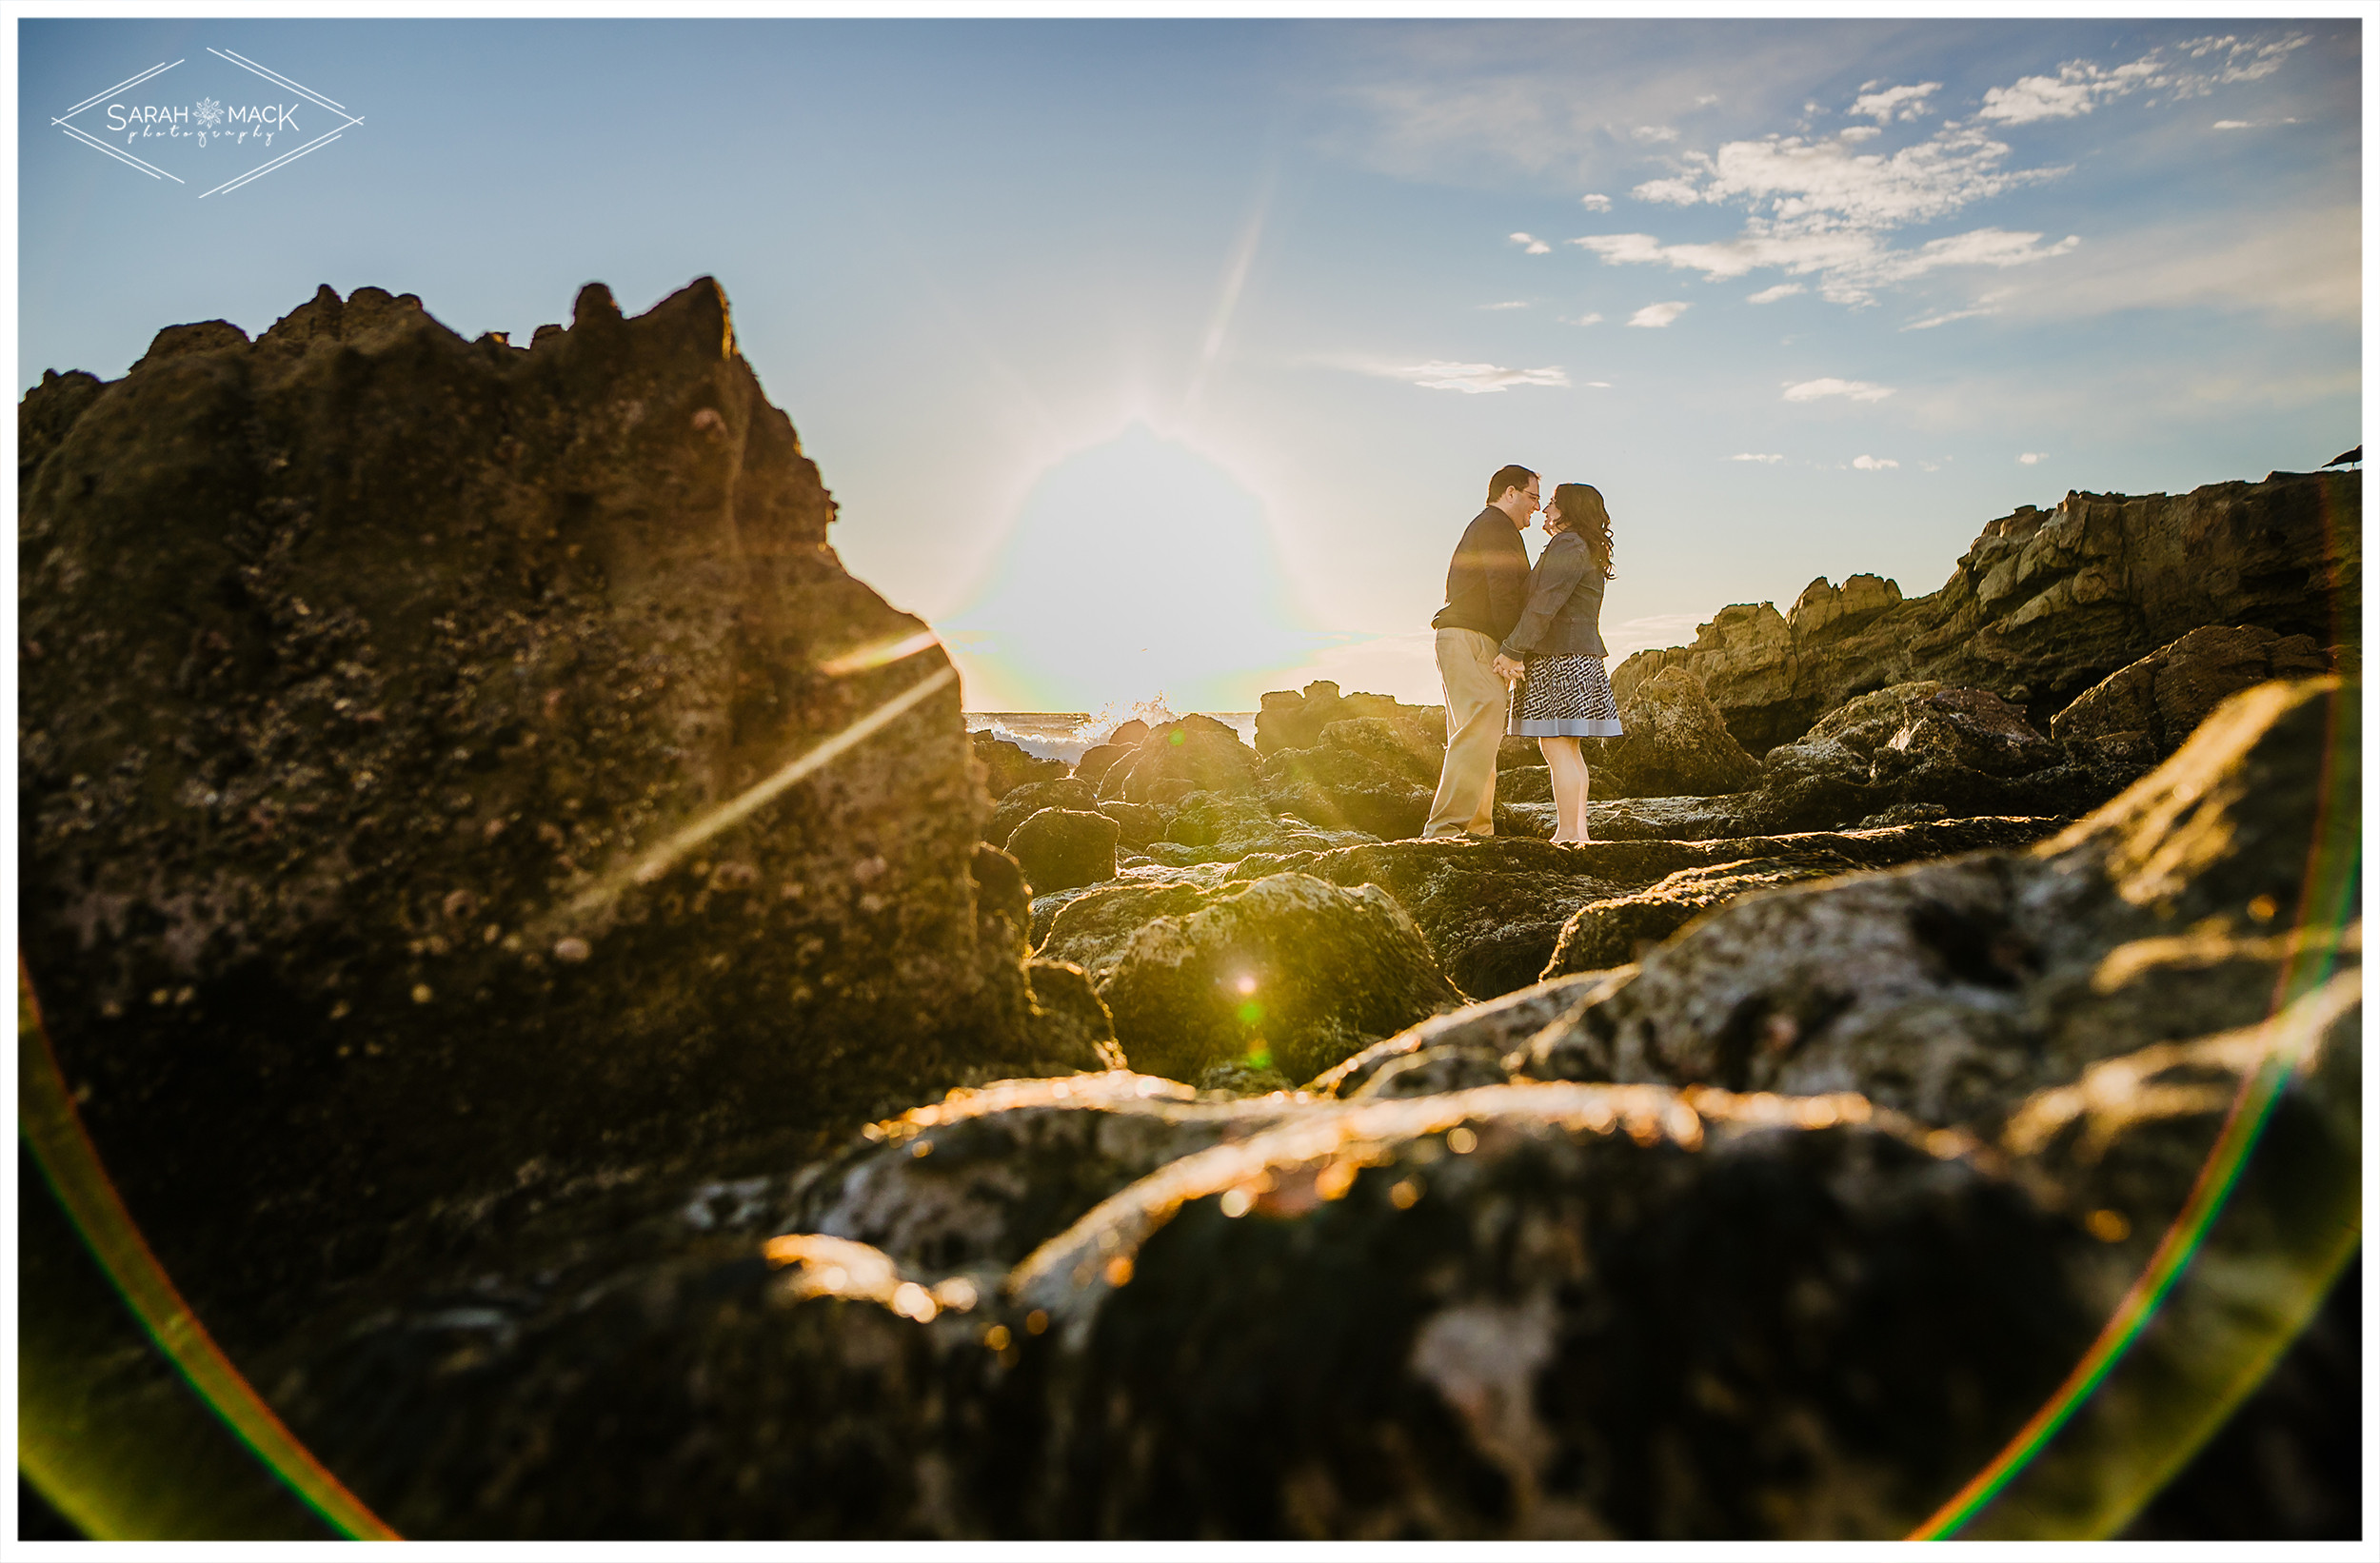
[(1520, 651)]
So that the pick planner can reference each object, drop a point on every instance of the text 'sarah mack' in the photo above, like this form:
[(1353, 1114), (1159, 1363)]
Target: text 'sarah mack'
[(203, 119)]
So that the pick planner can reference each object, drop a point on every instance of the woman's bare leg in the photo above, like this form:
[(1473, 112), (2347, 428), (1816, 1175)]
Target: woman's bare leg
[(1569, 770)]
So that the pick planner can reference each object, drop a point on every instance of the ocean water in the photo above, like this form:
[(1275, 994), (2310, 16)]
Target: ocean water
[(1064, 735)]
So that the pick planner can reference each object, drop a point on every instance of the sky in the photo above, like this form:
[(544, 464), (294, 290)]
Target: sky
[(1169, 358)]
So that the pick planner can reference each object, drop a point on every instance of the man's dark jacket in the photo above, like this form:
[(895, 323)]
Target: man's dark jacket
[(1488, 582)]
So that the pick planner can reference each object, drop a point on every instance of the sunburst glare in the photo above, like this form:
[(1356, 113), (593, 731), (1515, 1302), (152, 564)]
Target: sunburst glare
[(1137, 566)]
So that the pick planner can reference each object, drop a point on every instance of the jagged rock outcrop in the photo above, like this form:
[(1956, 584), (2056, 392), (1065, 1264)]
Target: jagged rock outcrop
[(1287, 972), (1008, 766), (1296, 720), (2163, 696), (2045, 604), (374, 684), (1190, 754)]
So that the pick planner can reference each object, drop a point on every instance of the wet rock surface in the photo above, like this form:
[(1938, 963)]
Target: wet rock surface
[(370, 678)]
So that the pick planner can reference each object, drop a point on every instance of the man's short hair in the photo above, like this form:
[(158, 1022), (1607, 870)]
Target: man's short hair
[(1508, 477)]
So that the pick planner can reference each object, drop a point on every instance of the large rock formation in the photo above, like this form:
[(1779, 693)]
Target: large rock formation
[(382, 696), (2044, 605)]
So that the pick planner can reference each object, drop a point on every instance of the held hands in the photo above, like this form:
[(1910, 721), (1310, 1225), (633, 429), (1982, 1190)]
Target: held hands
[(1507, 668)]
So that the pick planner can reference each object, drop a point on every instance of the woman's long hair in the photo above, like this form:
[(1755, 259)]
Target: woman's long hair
[(1581, 507)]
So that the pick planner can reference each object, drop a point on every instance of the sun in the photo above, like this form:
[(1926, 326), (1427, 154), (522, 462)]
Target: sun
[(1137, 566)]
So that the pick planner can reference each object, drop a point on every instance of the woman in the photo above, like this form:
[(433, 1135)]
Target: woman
[(1556, 650)]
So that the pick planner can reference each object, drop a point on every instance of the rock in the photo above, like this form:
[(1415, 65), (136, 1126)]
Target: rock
[(1070, 1026), (2168, 693), (1192, 754), (1060, 848), (1288, 973), (1953, 989), (1127, 733), (1618, 931), (1498, 1024), (1298, 720), (1399, 749), (1240, 1077), (1235, 825), (1136, 825), (1002, 1169), (1434, 1071), (1493, 911), (1437, 1294), (1527, 784), (1923, 742), (1007, 766), (1027, 799), (1092, 929), (1093, 766), (2044, 605), (1674, 744), (369, 677), (1340, 789)]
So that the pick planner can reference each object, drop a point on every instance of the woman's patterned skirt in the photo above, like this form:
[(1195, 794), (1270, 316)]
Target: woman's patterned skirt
[(1564, 697)]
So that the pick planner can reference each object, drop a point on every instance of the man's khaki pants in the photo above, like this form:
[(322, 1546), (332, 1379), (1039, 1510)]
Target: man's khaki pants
[(1475, 704)]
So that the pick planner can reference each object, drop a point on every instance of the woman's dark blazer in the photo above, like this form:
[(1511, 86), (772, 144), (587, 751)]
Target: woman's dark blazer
[(1565, 602)]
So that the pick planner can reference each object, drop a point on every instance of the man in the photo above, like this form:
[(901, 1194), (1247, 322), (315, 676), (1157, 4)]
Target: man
[(1486, 587)]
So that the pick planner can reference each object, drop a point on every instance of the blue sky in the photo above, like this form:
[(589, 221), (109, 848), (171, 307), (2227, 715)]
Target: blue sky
[(1087, 322)]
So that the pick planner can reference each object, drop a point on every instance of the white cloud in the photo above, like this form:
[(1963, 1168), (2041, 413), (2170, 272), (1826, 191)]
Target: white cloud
[(1770, 295), (1928, 324), (1810, 182), (1532, 246), (2250, 124), (1590, 318), (1771, 458), (1596, 202), (1596, 384), (1873, 464), (2187, 70), (1471, 379), (1668, 192), (1858, 390), (1508, 303), (1850, 265), (1656, 132), (2032, 457), (1659, 314), (1894, 101)]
